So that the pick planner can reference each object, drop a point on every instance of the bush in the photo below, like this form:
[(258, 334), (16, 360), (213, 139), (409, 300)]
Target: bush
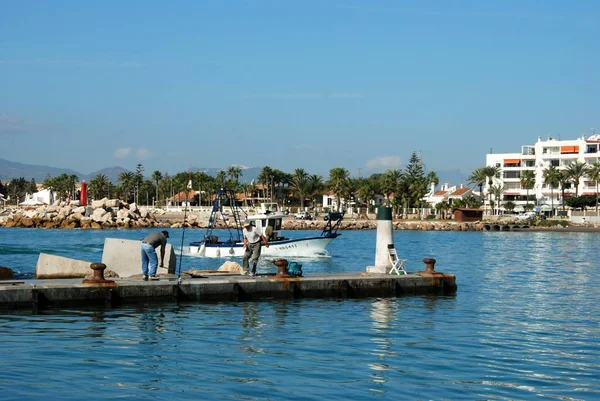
[(553, 223)]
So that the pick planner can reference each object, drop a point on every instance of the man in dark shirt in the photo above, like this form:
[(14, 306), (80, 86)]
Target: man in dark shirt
[(149, 245)]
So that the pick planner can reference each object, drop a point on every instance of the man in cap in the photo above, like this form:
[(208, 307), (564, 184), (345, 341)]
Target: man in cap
[(149, 245), (252, 246)]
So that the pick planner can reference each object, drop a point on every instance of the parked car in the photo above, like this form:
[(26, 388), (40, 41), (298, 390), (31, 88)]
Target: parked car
[(303, 216), (526, 216)]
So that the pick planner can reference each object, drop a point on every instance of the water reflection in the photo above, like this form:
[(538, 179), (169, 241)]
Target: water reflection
[(382, 316)]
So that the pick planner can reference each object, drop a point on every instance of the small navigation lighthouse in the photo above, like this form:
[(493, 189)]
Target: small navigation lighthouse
[(385, 237)]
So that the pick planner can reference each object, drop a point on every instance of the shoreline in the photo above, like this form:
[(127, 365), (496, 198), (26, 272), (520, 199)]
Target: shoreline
[(129, 216)]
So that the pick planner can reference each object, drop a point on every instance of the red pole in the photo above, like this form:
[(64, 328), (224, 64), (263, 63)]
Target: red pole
[(83, 196)]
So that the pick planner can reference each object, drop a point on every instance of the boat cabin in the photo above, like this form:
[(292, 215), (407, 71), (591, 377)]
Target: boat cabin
[(268, 222)]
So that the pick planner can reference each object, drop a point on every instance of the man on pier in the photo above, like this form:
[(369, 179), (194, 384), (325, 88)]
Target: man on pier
[(149, 245), (252, 246)]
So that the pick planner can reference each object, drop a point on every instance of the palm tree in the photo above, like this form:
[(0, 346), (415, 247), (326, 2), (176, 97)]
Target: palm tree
[(73, 178), (314, 187), (367, 189), (299, 184), (265, 177), (127, 181), (478, 177), (390, 182), (50, 184), (338, 183), (575, 171), (234, 172), (528, 181), (552, 179), (442, 208), (497, 191), (432, 178), (594, 174), (490, 172), (563, 181), (99, 186), (221, 179), (156, 177)]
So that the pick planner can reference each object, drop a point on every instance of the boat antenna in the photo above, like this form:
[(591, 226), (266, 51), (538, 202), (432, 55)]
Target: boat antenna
[(189, 186)]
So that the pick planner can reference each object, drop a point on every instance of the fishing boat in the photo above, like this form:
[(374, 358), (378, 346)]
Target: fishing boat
[(268, 220)]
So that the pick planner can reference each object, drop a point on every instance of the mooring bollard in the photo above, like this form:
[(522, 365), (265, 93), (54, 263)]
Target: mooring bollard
[(98, 277), (282, 265), (429, 265)]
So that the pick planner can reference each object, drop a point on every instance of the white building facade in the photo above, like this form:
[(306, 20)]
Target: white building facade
[(537, 158)]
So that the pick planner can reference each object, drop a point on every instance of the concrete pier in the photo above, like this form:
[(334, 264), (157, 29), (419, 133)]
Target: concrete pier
[(59, 293)]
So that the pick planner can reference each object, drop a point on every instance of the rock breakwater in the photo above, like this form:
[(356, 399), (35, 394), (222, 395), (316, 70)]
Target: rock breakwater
[(114, 213), (104, 213)]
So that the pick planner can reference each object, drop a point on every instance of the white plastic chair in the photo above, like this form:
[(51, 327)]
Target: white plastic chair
[(397, 263)]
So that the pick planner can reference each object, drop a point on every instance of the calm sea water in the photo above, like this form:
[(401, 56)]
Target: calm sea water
[(524, 324)]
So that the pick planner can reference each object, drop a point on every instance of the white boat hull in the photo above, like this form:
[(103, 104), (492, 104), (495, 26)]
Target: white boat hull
[(304, 247)]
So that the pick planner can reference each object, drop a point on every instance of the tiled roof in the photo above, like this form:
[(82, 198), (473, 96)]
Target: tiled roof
[(461, 192), (181, 197)]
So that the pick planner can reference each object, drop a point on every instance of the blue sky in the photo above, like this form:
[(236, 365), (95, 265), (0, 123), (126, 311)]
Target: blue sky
[(290, 84)]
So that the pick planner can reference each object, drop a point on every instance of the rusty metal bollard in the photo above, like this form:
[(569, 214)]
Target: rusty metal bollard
[(98, 278), (282, 265), (429, 265)]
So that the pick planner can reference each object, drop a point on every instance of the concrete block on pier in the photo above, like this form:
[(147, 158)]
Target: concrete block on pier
[(382, 269), (124, 257), (53, 266)]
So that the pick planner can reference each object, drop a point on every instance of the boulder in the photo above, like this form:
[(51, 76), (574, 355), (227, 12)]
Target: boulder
[(231, 266), (6, 273)]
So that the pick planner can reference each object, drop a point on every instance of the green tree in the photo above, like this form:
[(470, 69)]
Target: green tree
[(491, 172), (314, 187), (552, 179), (510, 206), (17, 188), (127, 180), (564, 181), (593, 173), (99, 186), (234, 172), (31, 186), (497, 191), (479, 177), (338, 182), (299, 184), (156, 177), (575, 171), (63, 185), (442, 209), (416, 180), (138, 179), (528, 181)]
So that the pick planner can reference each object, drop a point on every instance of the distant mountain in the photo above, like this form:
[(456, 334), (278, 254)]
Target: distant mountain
[(10, 170), (111, 172)]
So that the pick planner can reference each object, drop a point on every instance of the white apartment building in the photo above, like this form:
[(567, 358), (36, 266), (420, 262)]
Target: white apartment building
[(538, 157)]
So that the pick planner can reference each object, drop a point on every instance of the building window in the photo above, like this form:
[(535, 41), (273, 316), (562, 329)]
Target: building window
[(554, 163)]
